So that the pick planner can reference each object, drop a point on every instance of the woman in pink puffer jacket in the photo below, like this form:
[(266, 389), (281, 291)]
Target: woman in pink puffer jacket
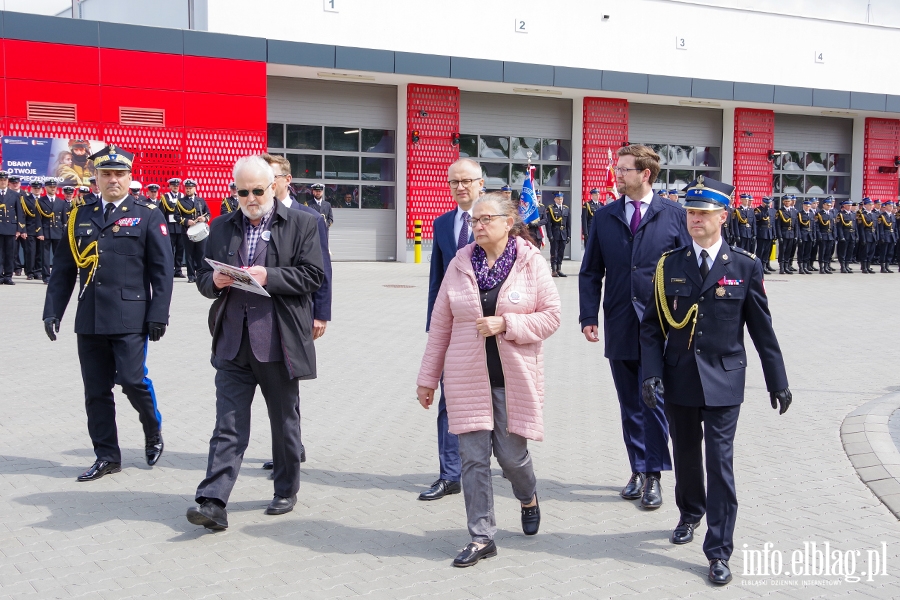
[(496, 306)]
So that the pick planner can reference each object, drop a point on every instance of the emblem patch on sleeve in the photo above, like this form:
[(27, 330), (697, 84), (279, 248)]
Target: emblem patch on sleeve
[(164, 229)]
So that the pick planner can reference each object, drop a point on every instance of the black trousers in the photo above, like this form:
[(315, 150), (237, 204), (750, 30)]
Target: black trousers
[(20, 253), (764, 250), (826, 248), (805, 254), (688, 426), (866, 251), (786, 248), (194, 252), (745, 243), (557, 251), (46, 248), (8, 250), (178, 248), (107, 360), (236, 383), (32, 264), (886, 251)]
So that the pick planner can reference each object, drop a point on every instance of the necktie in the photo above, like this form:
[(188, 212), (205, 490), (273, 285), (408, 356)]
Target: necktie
[(463, 232), (108, 211), (636, 216), (704, 266)]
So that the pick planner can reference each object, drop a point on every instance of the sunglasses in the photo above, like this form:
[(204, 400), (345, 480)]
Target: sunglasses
[(258, 192)]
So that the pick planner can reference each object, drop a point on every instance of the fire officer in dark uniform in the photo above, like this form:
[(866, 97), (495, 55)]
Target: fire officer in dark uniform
[(786, 232), (558, 228), (535, 228), (230, 203), (587, 212), (319, 204), (867, 221), (10, 217), (93, 191), (693, 355), (887, 235), (33, 243), (825, 235), (765, 232), (153, 194), (845, 227), (169, 206), (806, 237), (743, 221), (54, 213), (190, 210), (120, 247)]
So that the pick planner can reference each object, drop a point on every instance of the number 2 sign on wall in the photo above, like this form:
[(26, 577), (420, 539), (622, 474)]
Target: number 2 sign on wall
[(521, 26)]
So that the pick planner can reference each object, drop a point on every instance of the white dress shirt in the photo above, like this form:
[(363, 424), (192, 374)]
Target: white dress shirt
[(116, 204), (645, 204), (712, 251), (458, 221)]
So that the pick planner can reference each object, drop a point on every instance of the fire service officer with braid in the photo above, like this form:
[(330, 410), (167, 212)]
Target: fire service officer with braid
[(120, 247), (693, 355)]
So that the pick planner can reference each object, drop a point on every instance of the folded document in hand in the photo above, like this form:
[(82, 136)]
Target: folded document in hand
[(242, 279)]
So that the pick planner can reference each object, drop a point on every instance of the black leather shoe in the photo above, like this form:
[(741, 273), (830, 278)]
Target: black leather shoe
[(269, 465), (719, 573), (8, 281), (531, 518), (652, 497), (99, 469), (153, 448), (280, 505), (683, 533), (471, 554), (634, 488), (439, 489), (560, 273), (209, 515), (18, 272), (179, 275)]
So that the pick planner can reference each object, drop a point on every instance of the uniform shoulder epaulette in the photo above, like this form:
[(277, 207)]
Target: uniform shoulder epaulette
[(145, 204), (737, 250), (674, 250)]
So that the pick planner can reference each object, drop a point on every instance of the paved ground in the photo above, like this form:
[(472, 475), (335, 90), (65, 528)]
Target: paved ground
[(359, 530)]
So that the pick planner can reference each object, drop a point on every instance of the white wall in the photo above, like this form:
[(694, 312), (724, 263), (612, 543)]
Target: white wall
[(723, 43)]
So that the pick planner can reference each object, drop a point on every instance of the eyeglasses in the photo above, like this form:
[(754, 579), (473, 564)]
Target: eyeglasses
[(623, 170), (277, 176), (258, 192), (466, 182), (485, 220)]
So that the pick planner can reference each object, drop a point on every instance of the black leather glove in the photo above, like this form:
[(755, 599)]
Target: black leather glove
[(51, 327), (782, 397), (156, 331), (651, 387)]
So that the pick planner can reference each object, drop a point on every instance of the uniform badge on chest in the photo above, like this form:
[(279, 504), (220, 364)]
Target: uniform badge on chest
[(720, 291)]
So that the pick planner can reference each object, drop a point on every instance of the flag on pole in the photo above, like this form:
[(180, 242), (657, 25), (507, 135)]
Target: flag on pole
[(528, 206), (611, 192)]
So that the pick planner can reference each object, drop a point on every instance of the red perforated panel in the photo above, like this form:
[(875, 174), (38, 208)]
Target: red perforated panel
[(605, 129), (754, 137), (882, 146), (216, 147), (427, 161)]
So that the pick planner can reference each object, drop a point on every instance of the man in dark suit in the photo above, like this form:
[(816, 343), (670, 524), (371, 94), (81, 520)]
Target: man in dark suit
[(591, 206), (452, 230), (10, 217), (230, 202), (744, 224), (320, 205), (120, 247), (692, 348), (786, 232), (322, 297), (627, 239), (559, 228), (33, 227), (189, 211), (825, 235), (867, 227), (259, 340), (54, 215), (765, 232)]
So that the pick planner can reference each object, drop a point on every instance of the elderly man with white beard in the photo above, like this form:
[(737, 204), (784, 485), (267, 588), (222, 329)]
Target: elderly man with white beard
[(258, 340)]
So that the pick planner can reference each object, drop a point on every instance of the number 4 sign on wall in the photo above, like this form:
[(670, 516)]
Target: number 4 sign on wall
[(331, 5)]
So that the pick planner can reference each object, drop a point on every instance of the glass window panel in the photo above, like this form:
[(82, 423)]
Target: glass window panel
[(839, 163), (792, 184), (776, 184), (305, 166), (839, 185), (492, 146), (468, 146), (816, 161), (707, 156), (304, 137), (816, 185), (496, 175), (789, 161), (679, 179), (556, 150), (520, 174), (302, 192), (342, 139), (521, 146), (377, 196), (662, 180), (341, 167), (661, 149), (378, 140), (556, 175), (275, 135), (681, 155), (377, 169), (342, 196)]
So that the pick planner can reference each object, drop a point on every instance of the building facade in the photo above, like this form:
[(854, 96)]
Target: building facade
[(378, 98)]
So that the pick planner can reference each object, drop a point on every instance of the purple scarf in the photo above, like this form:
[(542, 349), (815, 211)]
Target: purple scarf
[(489, 277)]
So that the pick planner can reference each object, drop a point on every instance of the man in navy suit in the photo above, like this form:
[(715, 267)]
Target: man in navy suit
[(452, 231), (322, 297), (624, 244), (692, 342)]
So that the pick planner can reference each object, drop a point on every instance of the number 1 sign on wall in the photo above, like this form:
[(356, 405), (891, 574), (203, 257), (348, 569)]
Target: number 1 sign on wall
[(331, 5)]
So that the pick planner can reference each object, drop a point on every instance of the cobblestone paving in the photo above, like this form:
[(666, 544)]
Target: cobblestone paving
[(358, 529)]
